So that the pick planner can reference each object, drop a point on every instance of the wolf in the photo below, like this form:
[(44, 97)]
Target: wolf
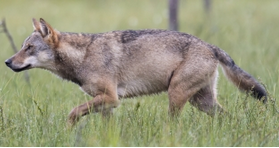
[(123, 64)]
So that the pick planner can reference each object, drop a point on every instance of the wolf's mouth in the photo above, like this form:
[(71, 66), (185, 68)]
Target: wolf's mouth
[(21, 69)]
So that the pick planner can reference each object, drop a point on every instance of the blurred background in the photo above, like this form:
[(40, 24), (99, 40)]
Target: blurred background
[(246, 29), (228, 18)]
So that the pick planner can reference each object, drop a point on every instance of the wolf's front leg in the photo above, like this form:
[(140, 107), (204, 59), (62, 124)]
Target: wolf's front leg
[(101, 103)]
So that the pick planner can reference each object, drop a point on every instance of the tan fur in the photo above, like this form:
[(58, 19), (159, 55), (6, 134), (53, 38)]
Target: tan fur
[(121, 64)]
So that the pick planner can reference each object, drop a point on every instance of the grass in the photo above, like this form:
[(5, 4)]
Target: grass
[(36, 115)]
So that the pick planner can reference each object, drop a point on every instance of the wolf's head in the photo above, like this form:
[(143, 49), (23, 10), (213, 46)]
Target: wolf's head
[(37, 50)]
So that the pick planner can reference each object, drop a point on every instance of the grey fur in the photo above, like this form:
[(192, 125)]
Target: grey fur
[(122, 64)]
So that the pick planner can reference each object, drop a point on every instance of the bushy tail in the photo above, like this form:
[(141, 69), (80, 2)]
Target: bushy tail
[(243, 80)]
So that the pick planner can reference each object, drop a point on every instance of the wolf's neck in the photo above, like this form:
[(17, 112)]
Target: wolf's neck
[(70, 55), (73, 47)]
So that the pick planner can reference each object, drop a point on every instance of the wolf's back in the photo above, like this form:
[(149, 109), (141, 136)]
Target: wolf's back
[(243, 80)]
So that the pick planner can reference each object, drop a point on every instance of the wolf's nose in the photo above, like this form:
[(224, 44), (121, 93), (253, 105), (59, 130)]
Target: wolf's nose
[(8, 62)]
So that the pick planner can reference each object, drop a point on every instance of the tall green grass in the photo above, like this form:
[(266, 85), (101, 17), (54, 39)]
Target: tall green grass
[(36, 115)]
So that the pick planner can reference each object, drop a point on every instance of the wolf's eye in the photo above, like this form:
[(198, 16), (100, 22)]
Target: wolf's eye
[(28, 47)]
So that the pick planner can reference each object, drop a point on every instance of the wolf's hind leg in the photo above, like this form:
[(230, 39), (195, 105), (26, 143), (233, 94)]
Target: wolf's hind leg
[(205, 99), (178, 96), (184, 85), (193, 74)]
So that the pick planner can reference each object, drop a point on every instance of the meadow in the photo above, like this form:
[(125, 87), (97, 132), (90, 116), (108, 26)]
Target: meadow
[(35, 114)]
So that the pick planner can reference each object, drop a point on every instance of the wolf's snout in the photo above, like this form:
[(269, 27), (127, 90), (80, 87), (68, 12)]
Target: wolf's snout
[(8, 62)]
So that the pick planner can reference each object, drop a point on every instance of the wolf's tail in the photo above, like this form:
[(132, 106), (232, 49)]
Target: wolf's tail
[(239, 77)]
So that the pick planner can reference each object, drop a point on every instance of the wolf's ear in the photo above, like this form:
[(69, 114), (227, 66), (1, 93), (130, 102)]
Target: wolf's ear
[(36, 25), (45, 28), (49, 33)]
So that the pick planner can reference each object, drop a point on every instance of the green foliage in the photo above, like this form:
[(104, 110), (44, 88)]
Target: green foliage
[(36, 115)]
